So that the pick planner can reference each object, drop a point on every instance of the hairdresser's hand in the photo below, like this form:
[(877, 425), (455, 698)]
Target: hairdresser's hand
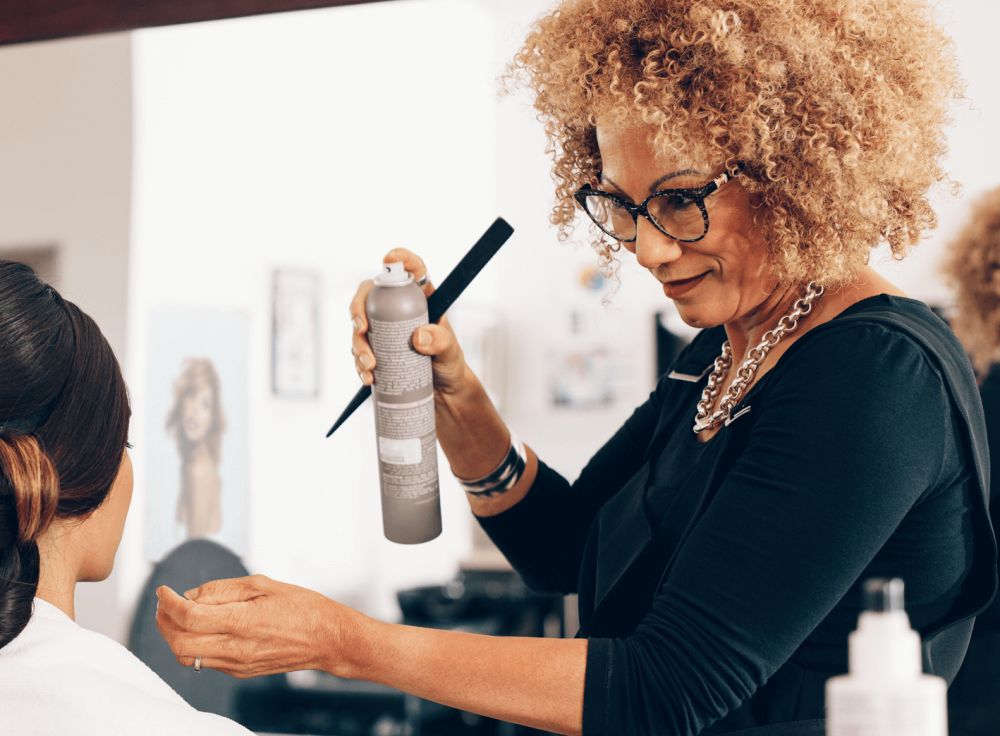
[(436, 340), (254, 626)]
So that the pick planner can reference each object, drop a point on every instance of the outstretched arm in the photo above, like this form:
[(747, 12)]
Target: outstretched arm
[(256, 626)]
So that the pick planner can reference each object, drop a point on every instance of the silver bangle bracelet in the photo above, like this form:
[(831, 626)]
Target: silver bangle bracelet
[(504, 477)]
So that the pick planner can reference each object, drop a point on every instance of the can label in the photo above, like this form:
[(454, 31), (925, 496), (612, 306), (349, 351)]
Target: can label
[(399, 369), (407, 448), (400, 429)]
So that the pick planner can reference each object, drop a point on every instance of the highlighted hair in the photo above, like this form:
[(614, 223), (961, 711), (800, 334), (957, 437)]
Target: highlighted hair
[(836, 106)]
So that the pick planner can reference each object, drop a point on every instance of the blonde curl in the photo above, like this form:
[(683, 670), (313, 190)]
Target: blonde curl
[(837, 107), (973, 268)]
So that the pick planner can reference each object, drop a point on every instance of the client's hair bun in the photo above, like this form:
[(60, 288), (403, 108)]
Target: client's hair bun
[(32, 480)]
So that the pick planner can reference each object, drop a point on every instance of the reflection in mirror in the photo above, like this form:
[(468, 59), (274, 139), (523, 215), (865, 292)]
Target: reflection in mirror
[(182, 169)]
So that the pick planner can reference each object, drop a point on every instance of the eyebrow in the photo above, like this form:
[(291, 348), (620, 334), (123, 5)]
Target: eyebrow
[(653, 187)]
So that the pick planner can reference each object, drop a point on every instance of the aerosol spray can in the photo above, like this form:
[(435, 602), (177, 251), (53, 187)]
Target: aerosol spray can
[(403, 394)]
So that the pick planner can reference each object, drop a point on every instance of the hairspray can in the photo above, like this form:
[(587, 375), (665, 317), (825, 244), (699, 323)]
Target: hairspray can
[(403, 393)]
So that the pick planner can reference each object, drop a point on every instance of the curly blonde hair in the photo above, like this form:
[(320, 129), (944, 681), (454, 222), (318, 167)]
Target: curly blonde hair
[(836, 107), (973, 268)]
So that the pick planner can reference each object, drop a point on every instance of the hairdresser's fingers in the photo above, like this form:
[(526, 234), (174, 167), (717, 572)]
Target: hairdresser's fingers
[(229, 590), (194, 617), (184, 642), (437, 341), (364, 357), (241, 670), (449, 362), (412, 263), (213, 647), (357, 307), (170, 606)]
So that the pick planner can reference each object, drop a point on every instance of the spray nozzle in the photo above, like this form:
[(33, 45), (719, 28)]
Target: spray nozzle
[(392, 273), (883, 595)]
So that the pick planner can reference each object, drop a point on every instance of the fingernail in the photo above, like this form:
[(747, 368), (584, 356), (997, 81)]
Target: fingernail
[(358, 323), (365, 360), (424, 338)]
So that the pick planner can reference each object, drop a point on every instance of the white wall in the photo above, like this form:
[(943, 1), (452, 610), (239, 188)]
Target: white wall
[(319, 139), (65, 158)]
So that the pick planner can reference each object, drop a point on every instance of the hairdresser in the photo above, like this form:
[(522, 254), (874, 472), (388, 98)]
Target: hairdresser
[(973, 268), (823, 427)]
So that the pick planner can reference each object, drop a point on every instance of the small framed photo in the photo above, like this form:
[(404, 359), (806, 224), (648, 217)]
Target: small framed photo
[(295, 348)]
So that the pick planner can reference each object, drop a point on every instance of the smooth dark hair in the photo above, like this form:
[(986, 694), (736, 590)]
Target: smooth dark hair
[(64, 416)]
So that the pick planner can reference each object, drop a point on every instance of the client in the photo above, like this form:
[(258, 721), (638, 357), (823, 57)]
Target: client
[(65, 488)]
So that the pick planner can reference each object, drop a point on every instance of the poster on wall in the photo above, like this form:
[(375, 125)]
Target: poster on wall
[(198, 482), (295, 351)]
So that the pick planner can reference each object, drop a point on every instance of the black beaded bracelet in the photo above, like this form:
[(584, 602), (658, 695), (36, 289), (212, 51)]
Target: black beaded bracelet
[(504, 477)]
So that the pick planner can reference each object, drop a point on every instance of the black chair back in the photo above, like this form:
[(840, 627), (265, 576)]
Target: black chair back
[(188, 566)]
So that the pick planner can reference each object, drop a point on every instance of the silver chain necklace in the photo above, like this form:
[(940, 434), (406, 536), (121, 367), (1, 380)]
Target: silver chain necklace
[(744, 375)]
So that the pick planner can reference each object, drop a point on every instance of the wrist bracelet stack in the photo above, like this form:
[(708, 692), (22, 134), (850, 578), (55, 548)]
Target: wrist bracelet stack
[(504, 477)]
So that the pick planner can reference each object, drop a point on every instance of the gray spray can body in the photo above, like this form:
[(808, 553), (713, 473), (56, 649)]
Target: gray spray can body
[(403, 393)]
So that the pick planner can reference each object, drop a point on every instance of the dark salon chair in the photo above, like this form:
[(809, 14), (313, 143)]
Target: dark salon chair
[(188, 566)]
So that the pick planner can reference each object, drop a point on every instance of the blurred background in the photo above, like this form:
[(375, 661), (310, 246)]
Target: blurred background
[(213, 193)]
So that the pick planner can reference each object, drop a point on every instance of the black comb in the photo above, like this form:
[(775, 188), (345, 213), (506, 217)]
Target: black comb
[(446, 294)]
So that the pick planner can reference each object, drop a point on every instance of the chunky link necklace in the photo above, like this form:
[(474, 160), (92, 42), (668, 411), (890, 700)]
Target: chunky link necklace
[(705, 418)]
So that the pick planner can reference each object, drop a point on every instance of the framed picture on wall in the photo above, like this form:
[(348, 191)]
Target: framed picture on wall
[(198, 454), (295, 348)]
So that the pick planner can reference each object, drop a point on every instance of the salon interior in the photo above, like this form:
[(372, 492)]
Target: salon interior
[(212, 191)]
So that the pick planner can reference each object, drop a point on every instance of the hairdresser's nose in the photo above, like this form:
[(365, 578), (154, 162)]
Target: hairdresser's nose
[(652, 248)]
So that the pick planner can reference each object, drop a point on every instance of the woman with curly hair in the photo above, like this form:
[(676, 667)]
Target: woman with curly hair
[(822, 429), (973, 267)]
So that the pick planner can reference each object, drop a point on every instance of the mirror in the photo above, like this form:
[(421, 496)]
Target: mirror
[(167, 179)]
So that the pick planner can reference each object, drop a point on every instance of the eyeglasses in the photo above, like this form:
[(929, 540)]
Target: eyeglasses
[(677, 213)]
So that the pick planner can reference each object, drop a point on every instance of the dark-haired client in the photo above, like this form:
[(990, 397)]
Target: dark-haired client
[(65, 490), (821, 429)]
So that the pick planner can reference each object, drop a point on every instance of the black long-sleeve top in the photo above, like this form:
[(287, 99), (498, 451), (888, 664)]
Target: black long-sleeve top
[(718, 581)]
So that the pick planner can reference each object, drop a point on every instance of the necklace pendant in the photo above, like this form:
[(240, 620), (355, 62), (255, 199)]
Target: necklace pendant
[(702, 425)]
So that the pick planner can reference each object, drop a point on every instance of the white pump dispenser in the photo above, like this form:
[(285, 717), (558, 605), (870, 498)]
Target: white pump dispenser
[(885, 692)]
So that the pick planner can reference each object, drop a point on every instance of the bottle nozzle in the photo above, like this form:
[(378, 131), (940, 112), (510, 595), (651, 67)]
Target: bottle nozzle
[(392, 273), (883, 595)]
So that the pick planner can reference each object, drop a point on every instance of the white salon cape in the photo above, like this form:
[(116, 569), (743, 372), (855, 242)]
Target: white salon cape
[(59, 678)]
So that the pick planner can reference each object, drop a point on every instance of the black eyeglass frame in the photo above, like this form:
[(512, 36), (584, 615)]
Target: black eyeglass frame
[(695, 194)]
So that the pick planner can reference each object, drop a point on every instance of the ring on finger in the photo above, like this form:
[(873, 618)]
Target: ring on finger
[(422, 280), (197, 664)]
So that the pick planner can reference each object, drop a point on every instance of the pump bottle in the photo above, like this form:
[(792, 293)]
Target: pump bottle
[(885, 692)]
